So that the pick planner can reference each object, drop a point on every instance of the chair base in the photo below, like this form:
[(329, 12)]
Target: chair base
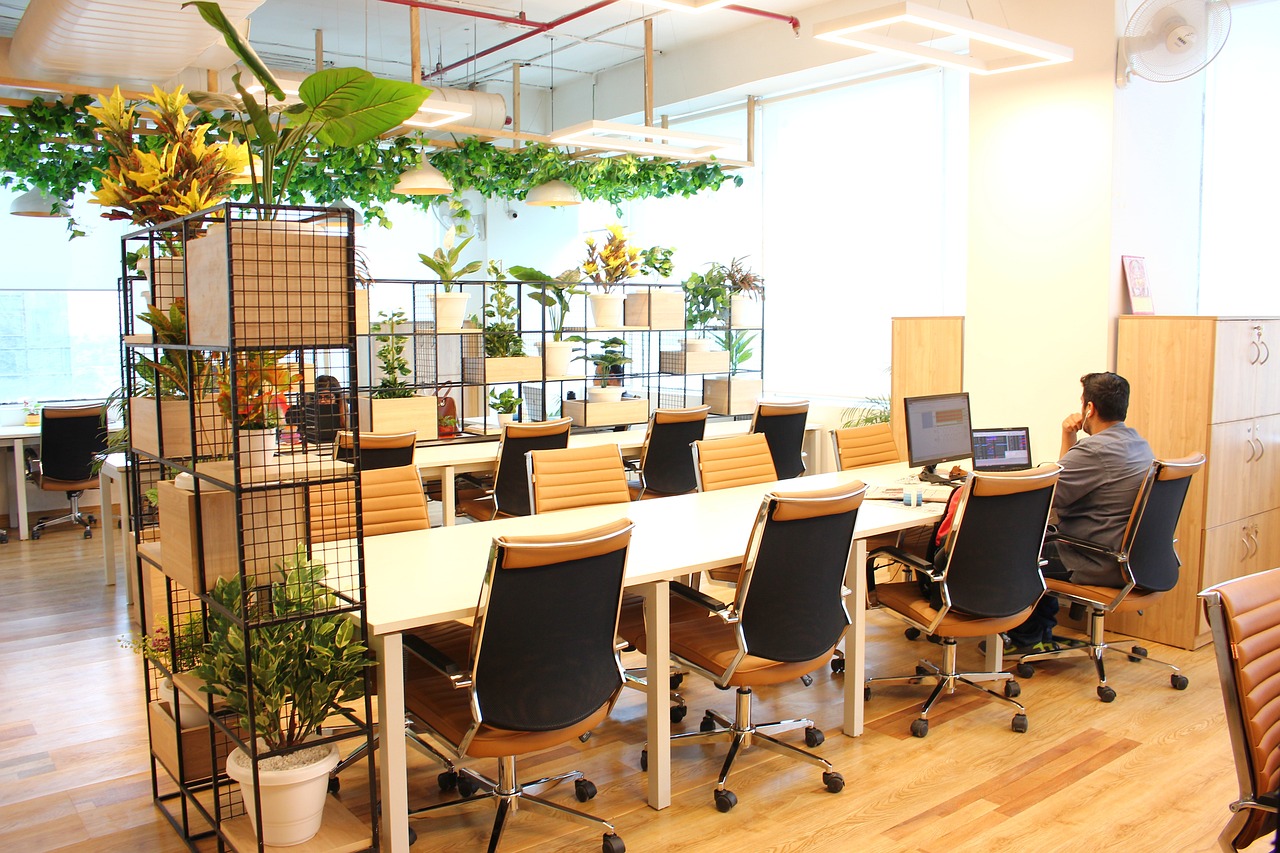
[(73, 517), (447, 779), (1095, 648), (947, 678), (510, 796)]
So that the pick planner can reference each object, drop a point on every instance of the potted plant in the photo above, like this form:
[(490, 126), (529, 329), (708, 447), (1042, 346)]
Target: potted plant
[(394, 406), (251, 394), (655, 307), (609, 266), (746, 289), (553, 294), (706, 305), (451, 305), (608, 368), (30, 413), (304, 660), (504, 355), (505, 404)]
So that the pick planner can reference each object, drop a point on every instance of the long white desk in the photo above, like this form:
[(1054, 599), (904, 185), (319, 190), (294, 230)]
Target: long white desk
[(19, 435), (443, 462), (424, 577)]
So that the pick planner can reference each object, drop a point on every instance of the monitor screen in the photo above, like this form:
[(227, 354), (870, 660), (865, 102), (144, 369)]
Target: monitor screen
[(938, 429), (1002, 449)]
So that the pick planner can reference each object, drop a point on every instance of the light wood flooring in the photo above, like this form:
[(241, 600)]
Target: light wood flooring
[(1151, 772)]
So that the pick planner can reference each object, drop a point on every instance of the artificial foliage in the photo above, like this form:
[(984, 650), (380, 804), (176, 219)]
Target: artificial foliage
[(613, 262), (391, 357), (251, 394)]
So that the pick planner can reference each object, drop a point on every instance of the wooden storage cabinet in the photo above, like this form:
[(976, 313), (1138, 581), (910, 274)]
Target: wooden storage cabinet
[(1208, 384)]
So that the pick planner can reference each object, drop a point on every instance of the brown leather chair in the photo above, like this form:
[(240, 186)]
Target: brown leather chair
[(391, 502), (864, 446), (989, 581), (1244, 616), (783, 425), (509, 495), (523, 678), (786, 618), (741, 460), (666, 459), (71, 437), (571, 477), (1148, 564), (377, 450)]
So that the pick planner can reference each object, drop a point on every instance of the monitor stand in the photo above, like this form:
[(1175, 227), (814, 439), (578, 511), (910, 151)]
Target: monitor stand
[(929, 474)]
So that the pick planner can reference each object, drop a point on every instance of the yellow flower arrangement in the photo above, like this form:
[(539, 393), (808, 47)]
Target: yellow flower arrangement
[(614, 262), (150, 185)]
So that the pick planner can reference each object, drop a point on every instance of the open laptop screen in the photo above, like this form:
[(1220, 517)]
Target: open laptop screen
[(1002, 449)]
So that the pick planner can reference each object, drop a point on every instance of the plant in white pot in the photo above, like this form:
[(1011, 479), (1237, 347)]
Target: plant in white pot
[(706, 306), (746, 289), (608, 367), (451, 304), (251, 395), (553, 294), (505, 404), (173, 652), (304, 660), (609, 266)]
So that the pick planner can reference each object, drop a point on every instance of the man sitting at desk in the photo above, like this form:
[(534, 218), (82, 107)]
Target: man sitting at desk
[(1101, 474)]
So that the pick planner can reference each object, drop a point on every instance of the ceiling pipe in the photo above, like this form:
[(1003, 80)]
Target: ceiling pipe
[(521, 21), (774, 16)]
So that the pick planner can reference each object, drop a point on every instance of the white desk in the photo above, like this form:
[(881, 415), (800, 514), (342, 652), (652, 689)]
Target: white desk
[(443, 462), (428, 576), (19, 435), (113, 483)]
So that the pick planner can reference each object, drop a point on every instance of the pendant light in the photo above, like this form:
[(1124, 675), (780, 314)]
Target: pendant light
[(38, 203), (553, 194), (423, 180)]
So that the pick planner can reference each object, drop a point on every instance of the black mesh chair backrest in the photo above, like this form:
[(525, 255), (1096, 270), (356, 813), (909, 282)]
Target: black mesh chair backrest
[(993, 568), (792, 609), (511, 481), (668, 459), (377, 450), (70, 438), (1152, 557), (782, 424), (545, 655)]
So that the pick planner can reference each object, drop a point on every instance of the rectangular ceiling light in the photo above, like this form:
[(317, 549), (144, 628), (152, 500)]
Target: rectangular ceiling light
[(688, 5), (917, 31), (641, 139), (435, 113)]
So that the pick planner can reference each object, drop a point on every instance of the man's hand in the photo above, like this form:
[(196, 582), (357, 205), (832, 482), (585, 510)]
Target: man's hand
[(1071, 425)]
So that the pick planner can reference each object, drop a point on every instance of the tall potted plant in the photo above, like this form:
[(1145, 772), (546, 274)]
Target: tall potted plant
[(394, 406), (745, 291), (504, 354), (609, 265), (451, 305), (251, 394), (553, 294), (706, 305), (304, 660)]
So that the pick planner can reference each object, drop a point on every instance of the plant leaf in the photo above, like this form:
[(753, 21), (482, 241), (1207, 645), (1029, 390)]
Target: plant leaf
[(351, 106), (213, 16)]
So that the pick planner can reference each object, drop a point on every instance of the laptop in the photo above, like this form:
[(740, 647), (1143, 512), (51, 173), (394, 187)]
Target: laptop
[(1001, 449)]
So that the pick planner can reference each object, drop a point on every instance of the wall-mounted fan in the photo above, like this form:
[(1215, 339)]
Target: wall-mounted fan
[(1167, 40)]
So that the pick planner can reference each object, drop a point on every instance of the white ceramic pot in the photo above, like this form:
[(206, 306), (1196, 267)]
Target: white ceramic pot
[(506, 419), (191, 711), (557, 356), (293, 799), (697, 344), (606, 310), (744, 312), (451, 309), (611, 394), (257, 447)]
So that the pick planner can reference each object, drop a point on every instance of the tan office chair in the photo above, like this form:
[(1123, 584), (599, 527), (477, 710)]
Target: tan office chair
[(741, 460), (71, 438), (509, 495), (524, 678), (1148, 564), (571, 477), (864, 446), (989, 581), (783, 425), (787, 615), (392, 502), (1244, 616), (666, 459), (377, 450)]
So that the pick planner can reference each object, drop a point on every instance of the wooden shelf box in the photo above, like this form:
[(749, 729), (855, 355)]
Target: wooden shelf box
[(197, 762), (655, 309), (340, 832), (501, 371), (682, 362), (399, 415), (586, 413), (731, 396), (172, 421)]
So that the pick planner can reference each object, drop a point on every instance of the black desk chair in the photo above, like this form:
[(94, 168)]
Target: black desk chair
[(783, 425), (510, 493), (666, 460), (376, 450), (70, 439)]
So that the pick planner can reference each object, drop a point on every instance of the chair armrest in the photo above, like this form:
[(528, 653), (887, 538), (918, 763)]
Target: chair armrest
[(1085, 544), (714, 606), (437, 660), (901, 556)]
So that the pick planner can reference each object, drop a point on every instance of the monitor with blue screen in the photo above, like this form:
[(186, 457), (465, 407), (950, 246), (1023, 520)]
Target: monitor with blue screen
[(938, 431)]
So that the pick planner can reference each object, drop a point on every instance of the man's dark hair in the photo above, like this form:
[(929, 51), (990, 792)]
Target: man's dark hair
[(1109, 393)]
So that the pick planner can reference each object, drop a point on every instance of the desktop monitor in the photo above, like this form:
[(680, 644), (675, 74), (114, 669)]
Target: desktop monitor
[(938, 431), (1002, 449)]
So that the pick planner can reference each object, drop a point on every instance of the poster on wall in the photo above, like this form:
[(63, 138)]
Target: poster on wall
[(1135, 275)]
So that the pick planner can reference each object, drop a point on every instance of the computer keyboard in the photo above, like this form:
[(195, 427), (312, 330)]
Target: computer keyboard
[(893, 492)]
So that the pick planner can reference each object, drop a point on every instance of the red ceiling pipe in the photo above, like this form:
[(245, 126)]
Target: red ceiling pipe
[(790, 19), (521, 21)]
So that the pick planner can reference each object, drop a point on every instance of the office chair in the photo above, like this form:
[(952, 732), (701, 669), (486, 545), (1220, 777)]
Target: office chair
[(377, 450), (1148, 564), (783, 425), (989, 581), (1244, 617), (570, 477), (510, 493), (785, 620), (666, 461), (523, 678), (864, 446), (740, 460), (71, 437)]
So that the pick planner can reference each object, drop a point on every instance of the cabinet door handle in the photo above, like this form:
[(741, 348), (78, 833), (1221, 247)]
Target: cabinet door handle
[(1244, 540), (1252, 451), (1261, 447), (1256, 352), (1253, 539), (1266, 352)]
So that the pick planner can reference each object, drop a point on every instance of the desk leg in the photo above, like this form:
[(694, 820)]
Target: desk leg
[(20, 490), (657, 621), (448, 495), (855, 646), (107, 514), (393, 770)]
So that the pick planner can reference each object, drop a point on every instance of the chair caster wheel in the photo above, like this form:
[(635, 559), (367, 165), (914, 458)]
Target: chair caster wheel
[(919, 728), (922, 670), (837, 666), (92, 519), (1025, 670), (35, 535), (644, 760), (88, 534), (612, 844), (1106, 694), (1137, 653), (725, 800), (912, 633), (1020, 723), (335, 784), (1179, 682), (413, 837), (584, 737), (466, 786), (1012, 689), (806, 680), (678, 712), (707, 724), (813, 736), (448, 780), (866, 694), (584, 790), (676, 681), (833, 781)]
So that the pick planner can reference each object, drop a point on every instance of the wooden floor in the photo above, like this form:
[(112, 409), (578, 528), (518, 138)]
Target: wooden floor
[(1151, 772)]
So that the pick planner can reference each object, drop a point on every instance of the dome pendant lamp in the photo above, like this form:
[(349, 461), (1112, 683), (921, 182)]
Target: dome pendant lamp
[(37, 203), (423, 180), (553, 194)]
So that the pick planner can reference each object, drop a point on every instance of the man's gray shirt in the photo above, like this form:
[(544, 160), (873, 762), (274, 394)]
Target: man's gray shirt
[(1096, 490)]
